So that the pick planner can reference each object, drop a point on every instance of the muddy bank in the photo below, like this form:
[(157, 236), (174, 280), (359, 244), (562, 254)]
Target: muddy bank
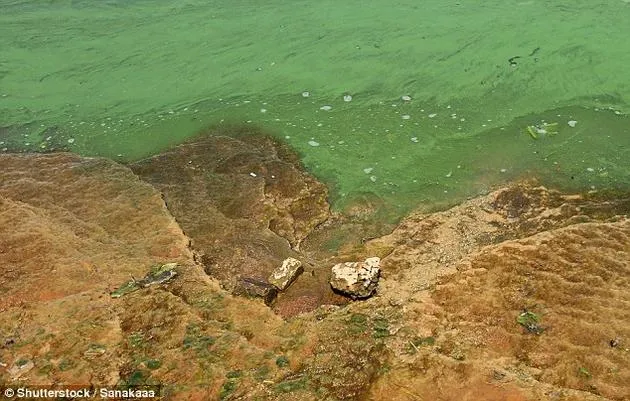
[(247, 204), (522, 294)]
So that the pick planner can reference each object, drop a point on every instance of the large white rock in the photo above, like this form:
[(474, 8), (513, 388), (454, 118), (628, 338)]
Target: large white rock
[(284, 275), (356, 279)]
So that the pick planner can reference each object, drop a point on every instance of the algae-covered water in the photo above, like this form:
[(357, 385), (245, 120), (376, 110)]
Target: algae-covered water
[(417, 102)]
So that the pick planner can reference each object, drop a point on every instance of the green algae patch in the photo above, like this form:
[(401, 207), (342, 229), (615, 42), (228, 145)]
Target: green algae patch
[(530, 321)]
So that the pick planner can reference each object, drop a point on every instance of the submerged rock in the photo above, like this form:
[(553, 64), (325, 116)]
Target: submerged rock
[(284, 275), (356, 279)]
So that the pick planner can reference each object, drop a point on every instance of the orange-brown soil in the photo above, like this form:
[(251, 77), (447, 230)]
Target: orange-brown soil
[(443, 326)]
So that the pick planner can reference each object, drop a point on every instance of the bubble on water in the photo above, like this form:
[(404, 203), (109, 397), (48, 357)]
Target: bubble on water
[(432, 115), (347, 98), (326, 108), (306, 94), (313, 143), (368, 170), (373, 178), (572, 123), (263, 110), (406, 98), (503, 170), (590, 169), (71, 140), (414, 139), (405, 116), (449, 174)]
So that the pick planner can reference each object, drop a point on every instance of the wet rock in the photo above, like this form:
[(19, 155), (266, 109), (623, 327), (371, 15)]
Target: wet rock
[(252, 287), (242, 198), (356, 279), (284, 275)]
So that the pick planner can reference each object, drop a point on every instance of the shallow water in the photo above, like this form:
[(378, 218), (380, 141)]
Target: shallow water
[(125, 79)]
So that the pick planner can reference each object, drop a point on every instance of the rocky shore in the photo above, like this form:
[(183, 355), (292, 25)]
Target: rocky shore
[(161, 272)]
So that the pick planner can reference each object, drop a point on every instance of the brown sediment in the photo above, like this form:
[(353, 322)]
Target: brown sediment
[(443, 326)]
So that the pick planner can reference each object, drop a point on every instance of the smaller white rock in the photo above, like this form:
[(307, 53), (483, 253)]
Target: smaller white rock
[(252, 174), (284, 275), (572, 123)]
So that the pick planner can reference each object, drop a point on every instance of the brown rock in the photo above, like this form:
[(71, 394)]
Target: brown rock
[(252, 287)]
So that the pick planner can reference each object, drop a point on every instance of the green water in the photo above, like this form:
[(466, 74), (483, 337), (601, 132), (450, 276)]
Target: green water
[(125, 79)]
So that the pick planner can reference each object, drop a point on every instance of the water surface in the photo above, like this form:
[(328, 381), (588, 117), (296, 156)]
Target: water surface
[(125, 79)]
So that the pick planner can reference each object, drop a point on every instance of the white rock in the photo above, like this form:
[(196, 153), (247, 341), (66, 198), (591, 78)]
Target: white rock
[(356, 279), (252, 174)]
